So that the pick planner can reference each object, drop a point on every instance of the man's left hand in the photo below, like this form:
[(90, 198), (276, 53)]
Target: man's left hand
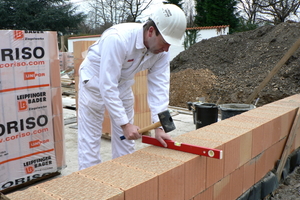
[(161, 135)]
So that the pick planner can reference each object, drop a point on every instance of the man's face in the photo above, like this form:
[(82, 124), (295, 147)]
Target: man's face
[(156, 44)]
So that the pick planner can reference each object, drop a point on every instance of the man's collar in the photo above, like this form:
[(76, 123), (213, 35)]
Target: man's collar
[(140, 39)]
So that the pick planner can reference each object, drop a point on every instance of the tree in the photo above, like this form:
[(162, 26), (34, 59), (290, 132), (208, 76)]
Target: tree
[(136, 8), (277, 11), (53, 15), (250, 8), (106, 13), (217, 12)]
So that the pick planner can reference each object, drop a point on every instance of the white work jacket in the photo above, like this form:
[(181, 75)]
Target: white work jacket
[(114, 60)]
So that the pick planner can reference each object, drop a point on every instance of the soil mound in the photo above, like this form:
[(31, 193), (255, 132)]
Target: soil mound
[(230, 67)]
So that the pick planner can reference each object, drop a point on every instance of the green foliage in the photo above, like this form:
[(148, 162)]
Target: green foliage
[(190, 38), (245, 25), (216, 13), (53, 15)]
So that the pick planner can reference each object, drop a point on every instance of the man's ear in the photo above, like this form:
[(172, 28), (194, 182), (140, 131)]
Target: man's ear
[(151, 31)]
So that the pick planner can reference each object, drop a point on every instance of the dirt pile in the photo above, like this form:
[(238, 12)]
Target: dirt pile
[(230, 67)]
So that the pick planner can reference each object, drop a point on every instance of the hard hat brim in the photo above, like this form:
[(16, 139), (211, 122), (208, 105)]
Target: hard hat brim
[(172, 41)]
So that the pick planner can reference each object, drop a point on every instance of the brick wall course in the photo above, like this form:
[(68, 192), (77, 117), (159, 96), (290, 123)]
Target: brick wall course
[(75, 186), (170, 172), (194, 168), (136, 184)]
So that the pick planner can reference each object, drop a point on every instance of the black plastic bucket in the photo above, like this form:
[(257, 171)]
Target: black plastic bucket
[(230, 110), (205, 114)]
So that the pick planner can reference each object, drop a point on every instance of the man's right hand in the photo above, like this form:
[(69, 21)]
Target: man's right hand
[(131, 131)]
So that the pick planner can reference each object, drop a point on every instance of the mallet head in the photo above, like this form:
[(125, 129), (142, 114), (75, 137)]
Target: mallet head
[(166, 121)]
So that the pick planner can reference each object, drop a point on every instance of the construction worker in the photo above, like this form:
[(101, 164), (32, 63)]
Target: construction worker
[(107, 74)]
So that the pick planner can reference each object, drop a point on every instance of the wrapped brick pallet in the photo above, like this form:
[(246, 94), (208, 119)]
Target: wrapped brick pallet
[(31, 119)]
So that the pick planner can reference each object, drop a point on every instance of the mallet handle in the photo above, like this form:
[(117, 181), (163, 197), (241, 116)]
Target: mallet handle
[(150, 127), (146, 129)]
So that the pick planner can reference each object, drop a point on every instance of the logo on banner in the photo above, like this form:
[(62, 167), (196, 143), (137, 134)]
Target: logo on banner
[(37, 164), (29, 169), (35, 143), (32, 75), (23, 105), (18, 35)]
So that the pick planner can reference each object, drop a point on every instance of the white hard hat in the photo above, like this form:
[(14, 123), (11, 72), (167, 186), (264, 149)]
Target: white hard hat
[(171, 23)]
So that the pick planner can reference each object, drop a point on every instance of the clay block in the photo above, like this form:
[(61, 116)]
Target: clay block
[(80, 48), (212, 136), (295, 97), (260, 166), (273, 154), (231, 152), (240, 122), (194, 168), (215, 167), (287, 123), (219, 128), (206, 194), (77, 63), (222, 189), (60, 154), (32, 193), (170, 172), (55, 73), (53, 48), (171, 184), (296, 142), (248, 175), (258, 136), (286, 103), (137, 184), (246, 144), (75, 186), (237, 148), (57, 108), (269, 133), (236, 183), (58, 127)]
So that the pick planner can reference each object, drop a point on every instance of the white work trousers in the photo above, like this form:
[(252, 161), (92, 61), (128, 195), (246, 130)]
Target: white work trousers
[(90, 118)]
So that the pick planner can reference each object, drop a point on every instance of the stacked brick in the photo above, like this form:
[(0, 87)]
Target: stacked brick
[(142, 116), (252, 142), (31, 120), (66, 60)]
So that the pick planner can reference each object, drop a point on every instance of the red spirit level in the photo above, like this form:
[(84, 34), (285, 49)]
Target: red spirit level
[(203, 151)]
